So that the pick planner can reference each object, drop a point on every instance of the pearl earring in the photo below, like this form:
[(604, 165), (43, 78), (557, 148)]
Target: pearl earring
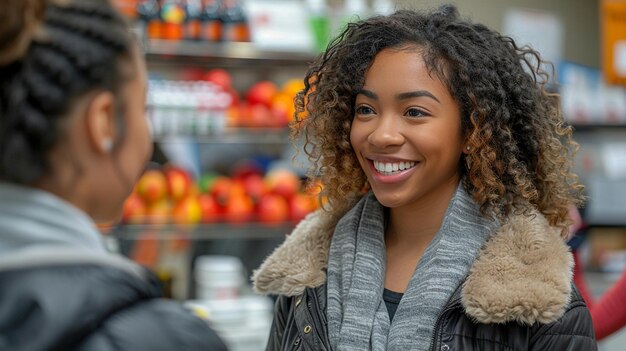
[(107, 145), (467, 148)]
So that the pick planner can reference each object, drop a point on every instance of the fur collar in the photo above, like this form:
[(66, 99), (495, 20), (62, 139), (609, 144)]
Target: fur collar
[(522, 274)]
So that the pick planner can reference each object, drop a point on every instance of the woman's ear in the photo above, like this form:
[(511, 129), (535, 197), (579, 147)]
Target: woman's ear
[(100, 122)]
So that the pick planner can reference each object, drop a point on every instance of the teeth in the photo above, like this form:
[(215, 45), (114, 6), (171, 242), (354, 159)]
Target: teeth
[(389, 168)]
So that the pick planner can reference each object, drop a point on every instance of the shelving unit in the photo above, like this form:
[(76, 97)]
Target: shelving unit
[(159, 244), (595, 126), (232, 54), (233, 136), (200, 232)]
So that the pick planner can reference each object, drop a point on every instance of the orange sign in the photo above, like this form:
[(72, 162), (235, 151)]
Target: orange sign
[(613, 18)]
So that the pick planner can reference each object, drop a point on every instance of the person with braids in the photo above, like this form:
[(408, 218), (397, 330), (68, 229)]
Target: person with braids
[(447, 169), (73, 140)]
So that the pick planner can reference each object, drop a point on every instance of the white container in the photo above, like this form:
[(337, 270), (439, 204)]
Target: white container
[(243, 324), (219, 277)]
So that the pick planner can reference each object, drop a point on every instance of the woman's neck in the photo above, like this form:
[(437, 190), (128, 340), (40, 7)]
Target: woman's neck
[(415, 224)]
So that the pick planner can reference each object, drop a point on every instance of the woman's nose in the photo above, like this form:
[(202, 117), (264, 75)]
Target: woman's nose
[(386, 133)]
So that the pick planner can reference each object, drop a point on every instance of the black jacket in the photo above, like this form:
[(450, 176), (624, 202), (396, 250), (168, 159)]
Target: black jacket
[(300, 324), (518, 295), (69, 300)]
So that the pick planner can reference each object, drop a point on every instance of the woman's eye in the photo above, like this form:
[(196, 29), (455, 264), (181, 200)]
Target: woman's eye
[(415, 112), (364, 110)]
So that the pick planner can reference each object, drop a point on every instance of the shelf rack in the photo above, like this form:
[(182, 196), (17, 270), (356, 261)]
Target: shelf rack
[(595, 126), (233, 136), (213, 231), (234, 53)]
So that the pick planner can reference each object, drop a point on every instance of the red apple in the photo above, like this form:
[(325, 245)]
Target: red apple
[(255, 187), (239, 209), (152, 186), (221, 189), (219, 77), (159, 212), (237, 189), (273, 209), (259, 116), (262, 93), (283, 182), (209, 208), (299, 207), (134, 210), (187, 211), (179, 183)]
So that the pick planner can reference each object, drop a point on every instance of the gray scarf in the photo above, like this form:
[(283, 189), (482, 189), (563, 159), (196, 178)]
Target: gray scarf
[(357, 315)]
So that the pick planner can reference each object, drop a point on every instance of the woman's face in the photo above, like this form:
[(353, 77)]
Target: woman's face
[(406, 131), (129, 158), (136, 146)]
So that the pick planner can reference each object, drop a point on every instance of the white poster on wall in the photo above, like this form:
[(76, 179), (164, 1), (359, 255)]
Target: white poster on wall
[(279, 25), (541, 30)]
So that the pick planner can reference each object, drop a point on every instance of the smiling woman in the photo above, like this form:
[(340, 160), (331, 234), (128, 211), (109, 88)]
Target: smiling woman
[(447, 168)]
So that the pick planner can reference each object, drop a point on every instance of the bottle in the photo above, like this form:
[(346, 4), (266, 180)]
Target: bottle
[(203, 106), (148, 14), (193, 12), (319, 24), (234, 21), (211, 21), (173, 17)]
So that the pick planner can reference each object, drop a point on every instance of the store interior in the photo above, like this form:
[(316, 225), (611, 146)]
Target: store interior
[(226, 185)]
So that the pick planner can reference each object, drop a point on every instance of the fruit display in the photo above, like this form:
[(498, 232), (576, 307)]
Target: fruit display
[(266, 105), (206, 103), (171, 195)]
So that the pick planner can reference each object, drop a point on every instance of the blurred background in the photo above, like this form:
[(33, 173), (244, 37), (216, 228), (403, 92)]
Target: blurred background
[(225, 185)]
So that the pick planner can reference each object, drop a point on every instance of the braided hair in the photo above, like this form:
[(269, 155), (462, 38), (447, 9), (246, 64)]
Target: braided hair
[(522, 152), (51, 53)]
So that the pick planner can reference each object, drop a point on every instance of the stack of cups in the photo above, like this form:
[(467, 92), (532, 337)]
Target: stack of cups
[(219, 277)]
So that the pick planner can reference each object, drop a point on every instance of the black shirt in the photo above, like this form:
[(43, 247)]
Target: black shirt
[(392, 300)]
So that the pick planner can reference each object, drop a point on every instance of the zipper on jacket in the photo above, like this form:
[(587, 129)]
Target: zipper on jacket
[(297, 343), (316, 321)]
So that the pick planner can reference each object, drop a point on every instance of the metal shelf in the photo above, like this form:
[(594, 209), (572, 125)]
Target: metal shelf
[(232, 136), (234, 53), (595, 126), (213, 231)]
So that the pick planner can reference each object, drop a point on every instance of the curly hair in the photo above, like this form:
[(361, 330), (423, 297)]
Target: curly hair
[(522, 150), (52, 52)]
